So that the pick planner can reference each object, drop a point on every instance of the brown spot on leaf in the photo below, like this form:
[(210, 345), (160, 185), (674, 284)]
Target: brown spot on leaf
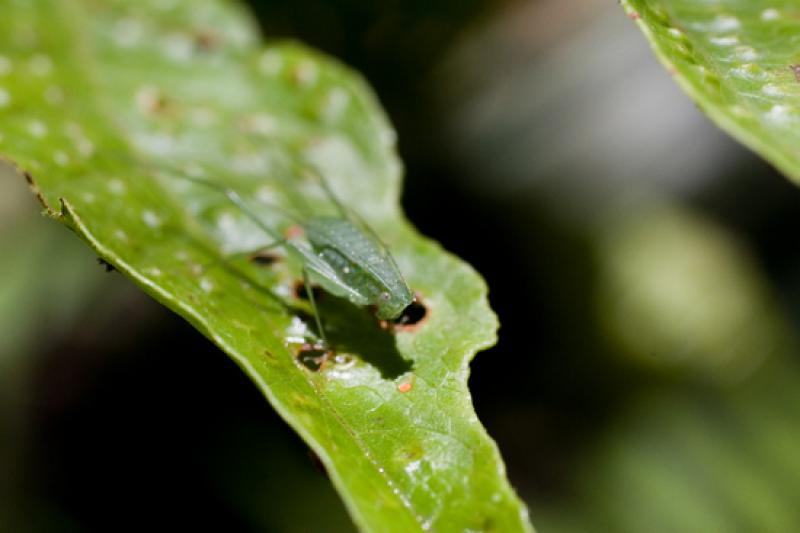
[(314, 356), (412, 317), (206, 40), (301, 293), (152, 101), (264, 258)]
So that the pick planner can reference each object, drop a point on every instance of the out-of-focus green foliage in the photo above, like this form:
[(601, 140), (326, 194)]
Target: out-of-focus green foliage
[(29, 284), (688, 459), (680, 292), (38, 304), (707, 438), (673, 407), (106, 103), (738, 61)]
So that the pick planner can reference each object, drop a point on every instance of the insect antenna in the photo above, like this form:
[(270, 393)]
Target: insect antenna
[(343, 210), (350, 214), (239, 202), (298, 200)]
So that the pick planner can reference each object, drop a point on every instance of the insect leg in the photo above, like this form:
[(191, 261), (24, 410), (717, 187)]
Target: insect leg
[(310, 293), (346, 212), (215, 262)]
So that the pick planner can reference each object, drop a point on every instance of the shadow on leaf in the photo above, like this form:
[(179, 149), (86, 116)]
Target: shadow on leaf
[(352, 329)]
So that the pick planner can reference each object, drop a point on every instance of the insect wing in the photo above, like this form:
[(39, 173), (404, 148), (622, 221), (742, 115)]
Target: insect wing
[(362, 262), (331, 279)]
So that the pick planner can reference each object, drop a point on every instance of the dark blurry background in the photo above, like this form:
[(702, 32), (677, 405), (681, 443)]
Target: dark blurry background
[(643, 266)]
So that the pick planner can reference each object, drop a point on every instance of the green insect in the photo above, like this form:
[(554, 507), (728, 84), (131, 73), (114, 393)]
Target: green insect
[(340, 253)]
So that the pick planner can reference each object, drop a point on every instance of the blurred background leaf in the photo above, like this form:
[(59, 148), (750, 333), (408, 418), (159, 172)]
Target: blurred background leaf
[(738, 61)]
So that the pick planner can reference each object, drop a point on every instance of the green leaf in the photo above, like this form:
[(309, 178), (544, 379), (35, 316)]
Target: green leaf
[(739, 62), (693, 459), (105, 102)]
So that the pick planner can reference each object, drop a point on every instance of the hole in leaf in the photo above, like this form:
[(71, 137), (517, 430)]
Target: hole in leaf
[(313, 356), (412, 315), (301, 294), (264, 258)]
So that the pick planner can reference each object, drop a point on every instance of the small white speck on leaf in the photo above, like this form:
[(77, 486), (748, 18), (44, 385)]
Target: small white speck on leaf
[(84, 146), (155, 143), (40, 65), (5, 65), (306, 73), (194, 170), (151, 219), (739, 110), (675, 32), (207, 285), (283, 291), (203, 117), (270, 63), (412, 467), (261, 124), (148, 99), (37, 129), (265, 195), (724, 23), (116, 186), (770, 14), (749, 71), (61, 158), (336, 103), (53, 95), (772, 90), (779, 113), (127, 33), (746, 53), (250, 163), (178, 47), (727, 40)]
